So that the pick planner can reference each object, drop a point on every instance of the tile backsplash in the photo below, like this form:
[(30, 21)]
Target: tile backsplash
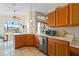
[(74, 30)]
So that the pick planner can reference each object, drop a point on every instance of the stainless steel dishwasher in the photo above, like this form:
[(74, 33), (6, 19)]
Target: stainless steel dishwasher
[(43, 44)]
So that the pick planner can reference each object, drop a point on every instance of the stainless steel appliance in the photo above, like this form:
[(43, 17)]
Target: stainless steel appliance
[(43, 44), (50, 32)]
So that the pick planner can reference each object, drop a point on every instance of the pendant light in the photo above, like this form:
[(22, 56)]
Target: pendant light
[(31, 13), (14, 5)]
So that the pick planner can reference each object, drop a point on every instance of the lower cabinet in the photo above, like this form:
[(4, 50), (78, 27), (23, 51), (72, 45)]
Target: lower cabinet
[(29, 40), (62, 50), (36, 41), (74, 51), (24, 40), (51, 49), (57, 47), (19, 41)]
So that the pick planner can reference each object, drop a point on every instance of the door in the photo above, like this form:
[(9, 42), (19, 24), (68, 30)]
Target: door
[(62, 50), (29, 39), (19, 41), (51, 47), (36, 41), (51, 19), (62, 16), (74, 14)]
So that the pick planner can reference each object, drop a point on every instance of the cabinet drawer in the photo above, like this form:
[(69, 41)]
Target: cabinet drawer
[(62, 42), (51, 40)]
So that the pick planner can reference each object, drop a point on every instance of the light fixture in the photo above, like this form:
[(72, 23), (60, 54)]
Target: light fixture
[(31, 13), (14, 10), (31, 21)]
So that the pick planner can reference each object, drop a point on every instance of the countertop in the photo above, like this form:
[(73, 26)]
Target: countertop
[(73, 42), (57, 37), (16, 33)]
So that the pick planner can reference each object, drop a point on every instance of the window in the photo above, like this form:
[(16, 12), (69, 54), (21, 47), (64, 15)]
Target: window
[(11, 25)]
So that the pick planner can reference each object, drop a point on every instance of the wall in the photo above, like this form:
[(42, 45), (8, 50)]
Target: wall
[(74, 30)]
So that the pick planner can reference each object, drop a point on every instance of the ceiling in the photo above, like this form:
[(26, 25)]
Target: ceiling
[(25, 8), (22, 8)]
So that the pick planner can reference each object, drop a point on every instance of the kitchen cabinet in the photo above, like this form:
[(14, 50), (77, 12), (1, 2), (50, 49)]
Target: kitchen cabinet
[(51, 47), (62, 50), (29, 39), (51, 19), (74, 51), (19, 41), (62, 16), (58, 47), (74, 13), (36, 41), (24, 40)]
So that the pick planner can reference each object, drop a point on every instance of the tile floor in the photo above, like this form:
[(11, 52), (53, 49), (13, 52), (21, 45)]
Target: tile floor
[(29, 51), (7, 49)]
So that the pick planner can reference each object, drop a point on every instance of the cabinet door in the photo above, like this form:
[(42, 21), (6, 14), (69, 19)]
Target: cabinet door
[(36, 41), (51, 19), (62, 50), (51, 47), (74, 14), (62, 16), (29, 39), (19, 41)]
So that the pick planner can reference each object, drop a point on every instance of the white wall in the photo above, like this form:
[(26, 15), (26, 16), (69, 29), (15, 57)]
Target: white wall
[(73, 30)]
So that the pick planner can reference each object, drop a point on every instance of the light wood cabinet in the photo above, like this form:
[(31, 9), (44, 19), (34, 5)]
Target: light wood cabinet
[(36, 41), (24, 40), (62, 16), (74, 51), (62, 50), (59, 17), (51, 47), (74, 14), (29, 39), (51, 19), (19, 41), (58, 47)]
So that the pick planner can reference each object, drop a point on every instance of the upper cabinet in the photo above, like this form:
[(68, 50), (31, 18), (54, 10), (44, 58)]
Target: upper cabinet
[(74, 14), (62, 16), (51, 19)]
